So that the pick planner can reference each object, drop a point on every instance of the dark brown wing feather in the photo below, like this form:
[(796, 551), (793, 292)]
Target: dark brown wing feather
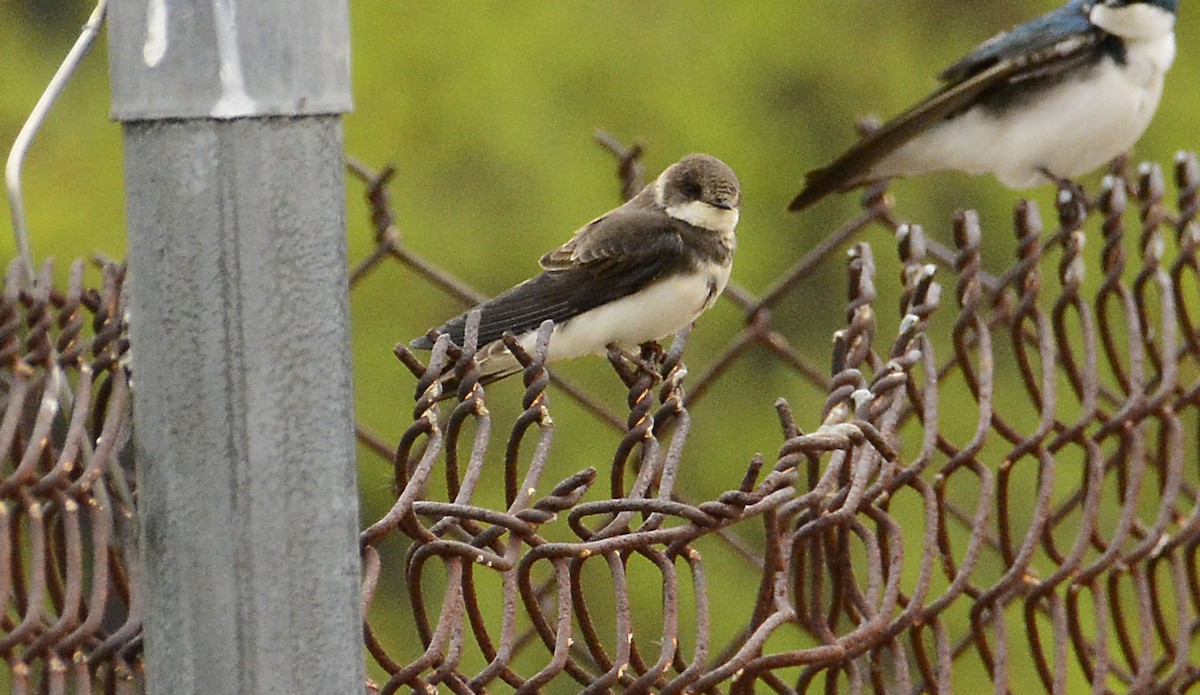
[(612, 257)]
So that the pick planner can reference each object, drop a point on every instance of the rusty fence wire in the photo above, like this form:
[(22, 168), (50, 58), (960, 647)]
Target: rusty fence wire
[(70, 581), (1041, 448), (998, 491)]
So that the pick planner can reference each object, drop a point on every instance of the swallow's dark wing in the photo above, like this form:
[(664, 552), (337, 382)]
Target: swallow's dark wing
[(1029, 39), (613, 257), (620, 234), (1042, 50)]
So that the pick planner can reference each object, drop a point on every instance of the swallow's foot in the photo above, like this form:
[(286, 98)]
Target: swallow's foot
[(1067, 189), (653, 354), (647, 362)]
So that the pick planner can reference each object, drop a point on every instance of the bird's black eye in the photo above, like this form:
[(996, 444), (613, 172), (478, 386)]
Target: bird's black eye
[(692, 190)]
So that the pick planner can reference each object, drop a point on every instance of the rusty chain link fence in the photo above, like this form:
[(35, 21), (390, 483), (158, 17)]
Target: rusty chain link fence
[(69, 563), (997, 491), (1046, 438)]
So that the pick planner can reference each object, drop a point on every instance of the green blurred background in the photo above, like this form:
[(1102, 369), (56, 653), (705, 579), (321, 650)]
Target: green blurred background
[(488, 110)]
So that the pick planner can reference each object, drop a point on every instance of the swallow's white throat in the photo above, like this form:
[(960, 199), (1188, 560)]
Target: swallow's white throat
[(1139, 21), (697, 212), (700, 214)]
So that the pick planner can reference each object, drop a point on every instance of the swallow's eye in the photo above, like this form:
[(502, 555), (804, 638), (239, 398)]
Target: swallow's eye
[(692, 190)]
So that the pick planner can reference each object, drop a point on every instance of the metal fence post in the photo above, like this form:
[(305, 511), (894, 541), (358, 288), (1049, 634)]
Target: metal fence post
[(240, 344)]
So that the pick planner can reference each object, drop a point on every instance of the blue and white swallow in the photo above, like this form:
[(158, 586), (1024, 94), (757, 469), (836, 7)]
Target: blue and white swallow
[(1049, 100), (638, 273)]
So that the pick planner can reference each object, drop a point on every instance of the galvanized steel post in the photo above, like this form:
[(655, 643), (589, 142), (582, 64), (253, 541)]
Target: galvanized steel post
[(240, 343)]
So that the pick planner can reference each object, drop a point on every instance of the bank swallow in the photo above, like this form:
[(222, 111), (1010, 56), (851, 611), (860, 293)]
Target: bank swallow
[(1049, 100), (638, 273)]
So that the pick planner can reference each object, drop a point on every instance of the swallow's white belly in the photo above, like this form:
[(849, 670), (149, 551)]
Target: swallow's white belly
[(660, 310), (657, 311)]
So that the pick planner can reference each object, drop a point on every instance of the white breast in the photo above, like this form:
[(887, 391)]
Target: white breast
[(660, 310)]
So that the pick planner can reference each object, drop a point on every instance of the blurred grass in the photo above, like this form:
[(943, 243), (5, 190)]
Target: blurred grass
[(488, 111)]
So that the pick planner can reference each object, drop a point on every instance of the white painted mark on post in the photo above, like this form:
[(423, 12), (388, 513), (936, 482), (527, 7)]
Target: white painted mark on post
[(156, 33), (234, 100)]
